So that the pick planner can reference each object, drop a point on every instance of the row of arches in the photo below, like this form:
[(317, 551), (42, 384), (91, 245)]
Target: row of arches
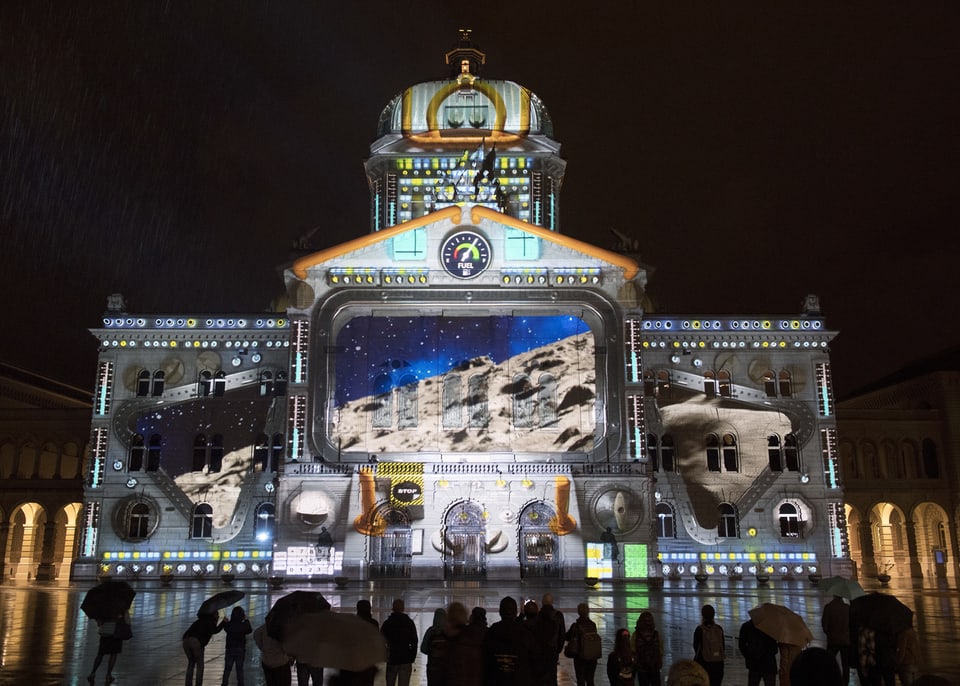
[(719, 384), (140, 519), (47, 460), (38, 541), (904, 459), (270, 383), (722, 454), (207, 452), (789, 519)]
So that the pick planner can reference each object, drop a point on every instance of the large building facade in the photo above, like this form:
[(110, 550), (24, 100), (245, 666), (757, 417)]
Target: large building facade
[(464, 393)]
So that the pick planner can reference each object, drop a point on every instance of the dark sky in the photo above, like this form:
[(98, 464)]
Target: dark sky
[(172, 151)]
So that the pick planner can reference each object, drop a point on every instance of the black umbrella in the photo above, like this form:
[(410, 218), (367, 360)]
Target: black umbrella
[(218, 601), (881, 612), (108, 600), (291, 606)]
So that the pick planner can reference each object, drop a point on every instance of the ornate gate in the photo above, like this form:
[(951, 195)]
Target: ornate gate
[(539, 546), (464, 537), (391, 553)]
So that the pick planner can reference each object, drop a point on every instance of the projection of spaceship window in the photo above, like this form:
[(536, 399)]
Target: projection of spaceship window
[(667, 453), (202, 521), (709, 384), (445, 378), (665, 523), (137, 451), (153, 453), (139, 521), (727, 528)]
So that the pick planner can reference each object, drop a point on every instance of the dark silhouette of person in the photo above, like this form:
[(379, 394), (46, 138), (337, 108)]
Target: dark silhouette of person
[(236, 628), (759, 655), (400, 633), (507, 649), (608, 537), (110, 646), (195, 640)]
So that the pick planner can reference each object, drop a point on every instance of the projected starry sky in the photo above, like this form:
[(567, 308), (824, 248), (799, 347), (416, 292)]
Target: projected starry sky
[(376, 354)]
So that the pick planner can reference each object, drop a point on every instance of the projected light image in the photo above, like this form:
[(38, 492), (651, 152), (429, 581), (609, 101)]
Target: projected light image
[(469, 384)]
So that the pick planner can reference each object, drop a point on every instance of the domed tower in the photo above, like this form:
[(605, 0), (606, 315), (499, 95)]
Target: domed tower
[(465, 139)]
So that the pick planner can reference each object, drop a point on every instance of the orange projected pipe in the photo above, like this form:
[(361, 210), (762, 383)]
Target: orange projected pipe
[(563, 523), (368, 523)]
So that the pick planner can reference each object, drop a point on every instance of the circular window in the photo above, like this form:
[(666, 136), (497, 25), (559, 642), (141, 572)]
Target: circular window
[(619, 509)]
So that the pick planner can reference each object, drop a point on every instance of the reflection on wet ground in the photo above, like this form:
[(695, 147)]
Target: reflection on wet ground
[(45, 639)]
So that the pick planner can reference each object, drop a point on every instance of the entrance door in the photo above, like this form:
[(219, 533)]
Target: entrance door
[(465, 536), (391, 553), (539, 546)]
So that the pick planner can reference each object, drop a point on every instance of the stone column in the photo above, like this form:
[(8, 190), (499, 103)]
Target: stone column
[(46, 570), (916, 570), (868, 563), (4, 536)]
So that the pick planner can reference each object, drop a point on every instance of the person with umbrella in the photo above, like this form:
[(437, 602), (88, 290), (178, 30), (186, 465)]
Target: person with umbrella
[(835, 623), (236, 629), (195, 640), (788, 629), (759, 655), (875, 620), (111, 644)]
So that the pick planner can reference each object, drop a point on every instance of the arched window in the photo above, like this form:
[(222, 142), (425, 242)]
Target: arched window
[(727, 528), (652, 453), (159, 379), (280, 388), (266, 521), (219, 383), (710, 384), (663, 383), (713, 453), (665, 528), (204, 384), (137, 451), (477, 404), (931, 465), (199, 453), (911, 466), (770, 384), (407, 402), (667, 453), (786, 384), (548, 400), (139, 521), (452, 411), (726, 387), (202, 521), (216, 453), (261, 453), (774, 454), (143, 383), (649, 384), (731, 456), (791, 453), (523, 392), (266, 383), (789, 521), (153, 453), (276, 451)]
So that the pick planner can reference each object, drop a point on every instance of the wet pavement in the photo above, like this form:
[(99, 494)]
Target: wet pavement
[(45, 638)]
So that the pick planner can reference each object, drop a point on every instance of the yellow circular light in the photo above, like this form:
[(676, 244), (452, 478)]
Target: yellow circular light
[(751, 531)]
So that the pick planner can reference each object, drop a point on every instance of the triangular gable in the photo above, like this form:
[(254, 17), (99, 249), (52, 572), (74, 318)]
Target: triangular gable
[(455, 216)]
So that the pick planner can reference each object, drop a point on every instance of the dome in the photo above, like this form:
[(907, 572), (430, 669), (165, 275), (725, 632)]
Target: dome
[(465, 107)]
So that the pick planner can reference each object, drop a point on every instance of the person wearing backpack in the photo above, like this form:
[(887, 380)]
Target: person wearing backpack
[(709, 651), (759, 655), (585, 653), (648, 650)]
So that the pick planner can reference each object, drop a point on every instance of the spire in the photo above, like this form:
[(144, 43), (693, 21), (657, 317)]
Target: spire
[(465, 59)]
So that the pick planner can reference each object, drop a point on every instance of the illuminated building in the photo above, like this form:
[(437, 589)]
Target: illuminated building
[(467, 393)]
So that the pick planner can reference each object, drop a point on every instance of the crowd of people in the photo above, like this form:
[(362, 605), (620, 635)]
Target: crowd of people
[(524, 647)]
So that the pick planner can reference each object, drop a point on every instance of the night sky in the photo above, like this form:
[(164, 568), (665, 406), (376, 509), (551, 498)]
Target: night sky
[(173, 151)]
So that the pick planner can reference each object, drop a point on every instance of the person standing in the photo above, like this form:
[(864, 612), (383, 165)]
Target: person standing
[(433, 644), (400, 633), (759, 655), (195, 640), (648, 650), (835, 623), (274, 662), (507, 649), (708, 645), (583, 668), (110, 645), (554, 630), (324, 544), (463, 663), (364, 677), (621, 664), (613, 551), (235, 652)]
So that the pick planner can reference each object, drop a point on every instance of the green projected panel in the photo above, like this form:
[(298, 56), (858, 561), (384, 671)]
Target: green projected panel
[(635, 563)]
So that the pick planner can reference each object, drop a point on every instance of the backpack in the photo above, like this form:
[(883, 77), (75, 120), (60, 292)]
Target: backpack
[(649, 657), (590, 645), (711, 643)]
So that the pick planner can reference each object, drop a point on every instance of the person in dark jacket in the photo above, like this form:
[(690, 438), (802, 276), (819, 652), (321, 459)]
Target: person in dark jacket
[(400, 633), (583, 669), (195, 640), (366, 676), (463, 662), (835, 623), (236, 628), (433, 644), (552, 617), (648, 650), (711, 665), (621, 665), (507, 649), (759, 655)]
